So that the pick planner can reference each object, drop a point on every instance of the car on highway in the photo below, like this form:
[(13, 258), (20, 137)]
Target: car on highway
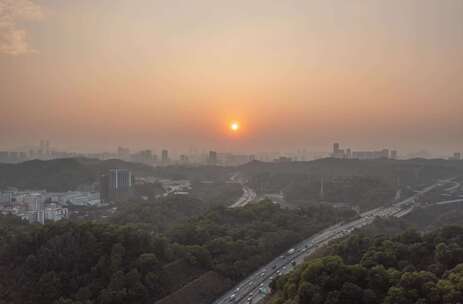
[(257, 285)]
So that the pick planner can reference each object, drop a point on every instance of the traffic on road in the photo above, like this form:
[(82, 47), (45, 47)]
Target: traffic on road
[(255, 287)]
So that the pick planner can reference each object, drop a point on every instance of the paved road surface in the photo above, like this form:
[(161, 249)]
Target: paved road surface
[(255, 287), (248, 196)]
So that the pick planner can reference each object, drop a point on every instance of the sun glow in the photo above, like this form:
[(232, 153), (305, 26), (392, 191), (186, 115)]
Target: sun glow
[(234, 126)]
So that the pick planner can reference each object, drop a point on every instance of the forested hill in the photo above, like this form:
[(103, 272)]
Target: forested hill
[(68, 174), (365, 184), (406, 169), (406, 269), (138, 262), (61, 174)]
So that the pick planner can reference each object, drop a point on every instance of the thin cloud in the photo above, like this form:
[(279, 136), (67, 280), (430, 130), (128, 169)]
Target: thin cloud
[(13, 39)]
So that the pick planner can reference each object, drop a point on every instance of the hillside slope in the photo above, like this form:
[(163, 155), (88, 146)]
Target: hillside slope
[(61, 174)]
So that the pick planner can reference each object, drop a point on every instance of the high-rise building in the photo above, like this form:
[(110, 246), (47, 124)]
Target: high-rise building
[(40, 216), (337, 152), (47, 148), (42, 147), (457, 156), (116, 186), (348, 154), (104, 188), (212, 159), (120, 179), (165, 156), (184, 159), (393, 154)]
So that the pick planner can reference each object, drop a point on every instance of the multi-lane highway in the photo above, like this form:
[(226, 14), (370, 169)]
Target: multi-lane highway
[(248, 195), (255, 287), (449, 202)]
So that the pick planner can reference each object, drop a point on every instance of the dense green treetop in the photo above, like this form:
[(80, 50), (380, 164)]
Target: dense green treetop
[(408, 268)]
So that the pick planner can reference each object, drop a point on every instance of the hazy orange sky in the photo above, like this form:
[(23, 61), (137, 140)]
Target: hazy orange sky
[(92, 75)]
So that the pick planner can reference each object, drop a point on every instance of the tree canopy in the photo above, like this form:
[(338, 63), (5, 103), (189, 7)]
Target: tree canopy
[(127, 259), (408, 268)]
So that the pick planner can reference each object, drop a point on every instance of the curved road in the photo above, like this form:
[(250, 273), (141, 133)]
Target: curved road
[(248, 194)]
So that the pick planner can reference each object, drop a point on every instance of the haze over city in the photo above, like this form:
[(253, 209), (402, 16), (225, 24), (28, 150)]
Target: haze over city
[(231, 152), (92, 75)]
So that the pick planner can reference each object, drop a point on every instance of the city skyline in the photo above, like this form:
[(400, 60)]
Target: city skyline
[(240, 152), (200, 155), (96, 75), (45, 150)]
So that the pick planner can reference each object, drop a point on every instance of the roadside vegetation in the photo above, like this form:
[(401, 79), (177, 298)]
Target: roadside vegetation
[(364, 184), (127, 260), (407, 268)]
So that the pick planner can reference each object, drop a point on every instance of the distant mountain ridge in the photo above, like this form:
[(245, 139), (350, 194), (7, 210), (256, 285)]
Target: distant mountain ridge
[(352, 167), (62, 174), (69, 173)]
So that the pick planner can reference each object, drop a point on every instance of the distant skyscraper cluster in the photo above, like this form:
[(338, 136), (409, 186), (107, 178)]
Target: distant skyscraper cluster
[(456, 156), (44, 147), (44, 151), (362, 155)]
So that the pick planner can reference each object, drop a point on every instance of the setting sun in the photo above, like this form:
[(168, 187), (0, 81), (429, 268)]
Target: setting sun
[(234, 126)]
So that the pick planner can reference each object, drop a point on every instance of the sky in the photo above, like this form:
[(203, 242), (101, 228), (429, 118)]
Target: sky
[(92, 75)]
